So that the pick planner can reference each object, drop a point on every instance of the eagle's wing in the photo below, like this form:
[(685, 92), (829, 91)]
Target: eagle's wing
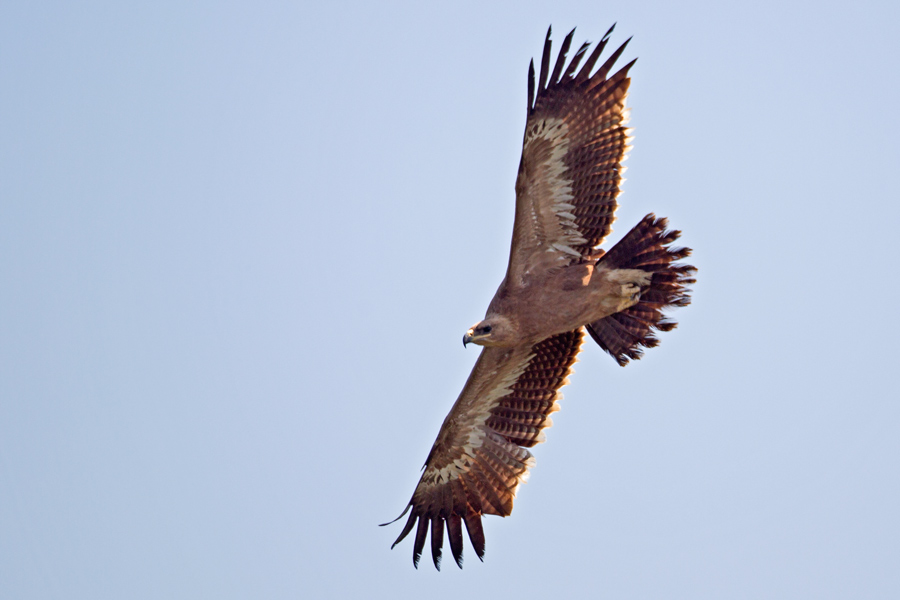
[(479, 456), (569, 175)]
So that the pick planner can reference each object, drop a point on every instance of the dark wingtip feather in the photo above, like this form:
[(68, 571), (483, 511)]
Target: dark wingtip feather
[(421, 532), (545, 61), (405, 510), (406, 528), (437, 541), (623, 72), (454, 533), (608, 32), (576, 60), (530, 86), (476, 535), (585, 71), (603, 71), (561, 59)]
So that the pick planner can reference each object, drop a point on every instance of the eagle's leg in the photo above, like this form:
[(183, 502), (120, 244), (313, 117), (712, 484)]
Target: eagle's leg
[(627, 285)]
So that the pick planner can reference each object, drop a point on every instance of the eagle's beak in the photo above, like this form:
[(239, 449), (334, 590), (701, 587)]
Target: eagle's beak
[(467, 338)]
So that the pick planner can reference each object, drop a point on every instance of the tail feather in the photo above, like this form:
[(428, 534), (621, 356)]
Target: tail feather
[(647, 247)]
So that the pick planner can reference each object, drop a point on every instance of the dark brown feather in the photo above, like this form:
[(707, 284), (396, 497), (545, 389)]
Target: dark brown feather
[(561, 59), (576, 60), (545, 62), (476, 534), (437, 540), (494, 485), (604, 69), (595, 55), (421, 532), (406, 528), (454, 533), (473, 496), (530, 86), (647, 247)]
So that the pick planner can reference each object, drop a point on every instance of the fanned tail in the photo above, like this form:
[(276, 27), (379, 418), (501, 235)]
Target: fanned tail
[(646, 247)]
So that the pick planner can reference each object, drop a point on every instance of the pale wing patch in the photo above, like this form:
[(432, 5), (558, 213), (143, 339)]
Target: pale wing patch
[(553, 221), (479, 432)]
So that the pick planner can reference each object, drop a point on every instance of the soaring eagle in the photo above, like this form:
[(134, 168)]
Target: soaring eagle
[(558, 283)]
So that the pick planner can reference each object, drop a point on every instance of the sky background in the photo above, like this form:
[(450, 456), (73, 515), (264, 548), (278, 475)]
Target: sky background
[(240, 243)]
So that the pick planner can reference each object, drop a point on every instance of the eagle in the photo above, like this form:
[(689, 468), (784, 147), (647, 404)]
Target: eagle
[(558, 284)]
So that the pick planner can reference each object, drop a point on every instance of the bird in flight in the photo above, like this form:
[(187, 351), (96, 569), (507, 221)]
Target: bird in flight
[(557, 285)]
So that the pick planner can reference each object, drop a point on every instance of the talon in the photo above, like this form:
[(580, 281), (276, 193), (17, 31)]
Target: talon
[(630, 289)]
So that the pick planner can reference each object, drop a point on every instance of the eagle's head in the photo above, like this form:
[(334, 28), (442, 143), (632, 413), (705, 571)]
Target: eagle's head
[(493, 331)]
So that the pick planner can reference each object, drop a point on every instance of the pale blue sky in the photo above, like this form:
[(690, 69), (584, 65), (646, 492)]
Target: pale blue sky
[(240, 243)]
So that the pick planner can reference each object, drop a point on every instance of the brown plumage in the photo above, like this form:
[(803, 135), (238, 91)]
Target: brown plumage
[(557, 284)]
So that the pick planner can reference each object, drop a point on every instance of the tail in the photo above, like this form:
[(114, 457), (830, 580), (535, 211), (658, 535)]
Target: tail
[(646, 247)]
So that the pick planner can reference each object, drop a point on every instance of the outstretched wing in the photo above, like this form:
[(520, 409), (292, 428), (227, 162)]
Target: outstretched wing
[(569, 175), (479, 457)]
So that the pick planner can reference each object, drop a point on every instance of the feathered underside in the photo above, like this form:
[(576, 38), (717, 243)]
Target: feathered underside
[(480, 456), (571, 169)]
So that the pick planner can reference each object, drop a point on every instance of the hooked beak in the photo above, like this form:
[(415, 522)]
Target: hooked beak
[(467, 338)]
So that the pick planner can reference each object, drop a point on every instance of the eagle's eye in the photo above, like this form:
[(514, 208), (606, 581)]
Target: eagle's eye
[(486, 329)]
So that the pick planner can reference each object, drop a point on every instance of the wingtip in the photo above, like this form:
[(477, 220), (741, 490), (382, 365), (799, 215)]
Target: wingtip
[(530, 87), (609, 32), (405, 510)]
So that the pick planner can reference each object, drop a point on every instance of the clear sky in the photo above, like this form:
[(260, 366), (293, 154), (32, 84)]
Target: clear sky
[(240, 244)]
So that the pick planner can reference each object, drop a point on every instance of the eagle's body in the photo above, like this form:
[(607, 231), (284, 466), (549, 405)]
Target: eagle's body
[(562, 300), (558, 283)]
